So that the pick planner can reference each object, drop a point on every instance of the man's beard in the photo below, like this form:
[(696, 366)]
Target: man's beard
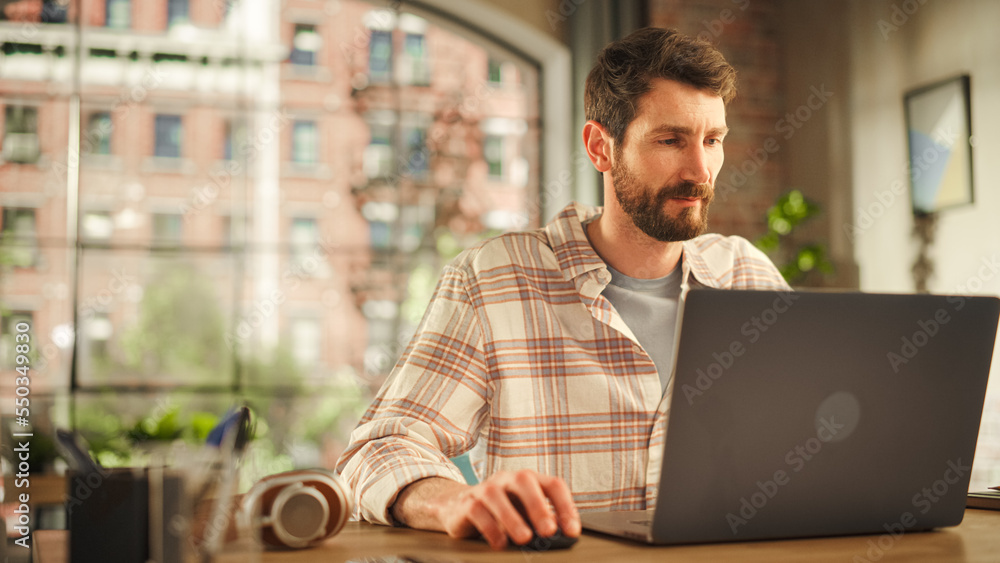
[(645, 206)]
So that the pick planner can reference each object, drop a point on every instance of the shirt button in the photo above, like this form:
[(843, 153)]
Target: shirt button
[(637, 349)]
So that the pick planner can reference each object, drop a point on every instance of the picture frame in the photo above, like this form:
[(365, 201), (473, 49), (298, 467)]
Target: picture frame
[(939, 136)]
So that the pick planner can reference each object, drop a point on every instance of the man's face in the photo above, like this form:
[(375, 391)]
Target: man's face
[(664, 172)]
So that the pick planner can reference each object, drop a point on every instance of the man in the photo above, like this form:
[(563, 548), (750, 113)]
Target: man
[(551, 349)]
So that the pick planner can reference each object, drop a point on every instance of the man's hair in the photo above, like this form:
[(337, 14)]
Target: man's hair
[(625, 68)]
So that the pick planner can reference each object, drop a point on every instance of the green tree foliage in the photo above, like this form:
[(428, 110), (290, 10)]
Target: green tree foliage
[(180, 330)]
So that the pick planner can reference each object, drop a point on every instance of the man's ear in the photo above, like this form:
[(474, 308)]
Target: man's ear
[(597, 141)]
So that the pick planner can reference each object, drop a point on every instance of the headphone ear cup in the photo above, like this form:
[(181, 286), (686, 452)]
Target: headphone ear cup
[(299, 516), (299, 508)]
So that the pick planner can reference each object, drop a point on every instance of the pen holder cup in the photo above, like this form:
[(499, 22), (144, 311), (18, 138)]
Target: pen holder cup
[(128, 515)]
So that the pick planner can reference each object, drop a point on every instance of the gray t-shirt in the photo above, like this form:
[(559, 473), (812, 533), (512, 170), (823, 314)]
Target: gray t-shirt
[(649, 308)]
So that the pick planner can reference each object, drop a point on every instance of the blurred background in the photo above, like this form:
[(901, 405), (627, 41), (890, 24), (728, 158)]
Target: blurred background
[(213, 201)]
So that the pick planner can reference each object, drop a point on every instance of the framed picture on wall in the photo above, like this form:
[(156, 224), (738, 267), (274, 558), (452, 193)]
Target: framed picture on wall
[(939, 129)]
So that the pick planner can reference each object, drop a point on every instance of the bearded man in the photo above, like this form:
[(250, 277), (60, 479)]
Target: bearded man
[(548, 353)]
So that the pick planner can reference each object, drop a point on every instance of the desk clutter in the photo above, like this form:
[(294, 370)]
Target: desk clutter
[(174, 509)]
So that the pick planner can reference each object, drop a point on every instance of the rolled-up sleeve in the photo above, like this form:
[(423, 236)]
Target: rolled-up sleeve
[(431, 408)]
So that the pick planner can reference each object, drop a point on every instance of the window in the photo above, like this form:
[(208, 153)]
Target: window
[(494, 71), (232, 195), (414, 60), (97, 331), (378, 155), (7, 334), (167, 130), (167, 229), (118, 14), (20, 139), (380, 56), (54, 11), (97, 227), (380, 216), (19, 237), (306, 43), (97, 136), (305, 142), (493, 153), (234, 135), (304, 239), (177, 12), (416, 151), (306, 341)]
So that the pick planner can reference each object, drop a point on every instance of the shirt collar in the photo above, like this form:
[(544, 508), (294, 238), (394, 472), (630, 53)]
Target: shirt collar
[(570, 244)]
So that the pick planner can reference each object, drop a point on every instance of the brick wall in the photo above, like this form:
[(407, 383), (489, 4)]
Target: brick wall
[(747, 34)]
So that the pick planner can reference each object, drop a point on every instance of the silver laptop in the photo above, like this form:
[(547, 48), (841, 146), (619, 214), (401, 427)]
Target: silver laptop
[(816, 414)]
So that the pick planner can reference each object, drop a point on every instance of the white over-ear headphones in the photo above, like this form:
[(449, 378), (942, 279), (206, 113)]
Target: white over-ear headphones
[(297, 509)]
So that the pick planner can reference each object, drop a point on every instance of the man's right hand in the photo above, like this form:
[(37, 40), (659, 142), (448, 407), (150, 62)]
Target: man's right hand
[(495, 508)]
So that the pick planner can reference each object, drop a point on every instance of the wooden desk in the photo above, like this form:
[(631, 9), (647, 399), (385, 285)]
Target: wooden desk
[(977, 539)]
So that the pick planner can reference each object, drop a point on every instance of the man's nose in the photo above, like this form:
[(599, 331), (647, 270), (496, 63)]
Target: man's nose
[(696, 166)]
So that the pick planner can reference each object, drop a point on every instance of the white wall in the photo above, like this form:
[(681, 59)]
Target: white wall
[(893, 51)]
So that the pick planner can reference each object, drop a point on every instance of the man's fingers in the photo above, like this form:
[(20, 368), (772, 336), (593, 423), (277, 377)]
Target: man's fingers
[(505, 508), (532, 498), (562, 499), (484, 521), (497, 498)]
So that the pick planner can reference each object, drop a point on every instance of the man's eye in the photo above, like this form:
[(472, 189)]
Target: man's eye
[(713, 142), (668, 141)]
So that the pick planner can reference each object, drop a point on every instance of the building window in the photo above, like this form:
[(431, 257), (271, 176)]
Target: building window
[(177, 12), (97, 137), (305, 142), (54, 11), (168, 136), (118, 14), (493, 153), (19, 237), (98, 331), (416, 151), (304, 239), (378, 155), (97, 227), (494, 71), (167, 229), (381, 216), (380, 56), (414, 60), (8, 331), (233, 136), (306, 43), (20, 139), (306, 335)]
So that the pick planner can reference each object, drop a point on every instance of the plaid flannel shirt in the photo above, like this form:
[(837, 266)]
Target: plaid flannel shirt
[(519, 353)]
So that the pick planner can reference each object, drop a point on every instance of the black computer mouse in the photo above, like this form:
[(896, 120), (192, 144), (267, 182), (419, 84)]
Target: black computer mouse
[(558, 540)]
